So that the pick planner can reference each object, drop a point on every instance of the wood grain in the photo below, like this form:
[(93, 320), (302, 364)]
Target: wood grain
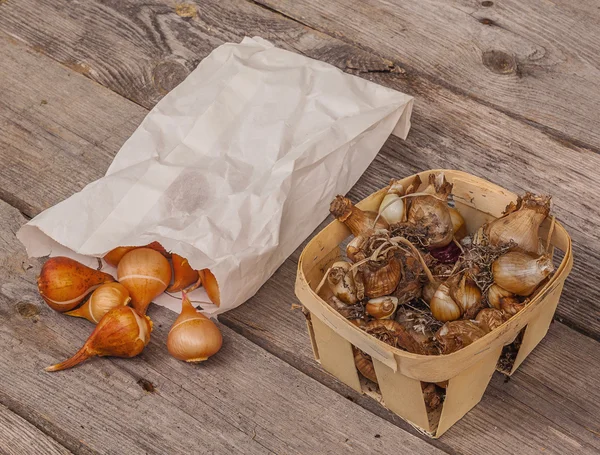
[(535, 61), (244, 400), (449, 129), (18, 437), (435, 141)]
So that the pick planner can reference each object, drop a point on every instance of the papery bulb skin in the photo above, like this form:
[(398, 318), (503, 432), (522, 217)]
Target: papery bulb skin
[(354, 248), (364, 365), (146, 274), (341, 282), (456, 335), (490, 319), (193, 337), (63, 282), (380, 280), (432, 214), (442, 305), (521, 273), (394, 334), (520, 226), (354, 218), (392, 208), (122, 332), (495, 294), (211, 286), (184, 275), (101, 301), (467, 295), (459, 226), (382, 307)]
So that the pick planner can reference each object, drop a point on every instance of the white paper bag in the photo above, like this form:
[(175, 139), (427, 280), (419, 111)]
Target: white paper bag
[(233, 169)]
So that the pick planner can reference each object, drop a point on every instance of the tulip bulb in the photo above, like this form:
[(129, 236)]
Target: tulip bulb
[(122, 332), (392, 207), (193, 337), (521, 223), (63, 282), (382, 307), (342, 283), (442, 305), (209, 282), (520, 273), (183, 274), (102, 300), (146, 274), (113, 257), (354, 218)]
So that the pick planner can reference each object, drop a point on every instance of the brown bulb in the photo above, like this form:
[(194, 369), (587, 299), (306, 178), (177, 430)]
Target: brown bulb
[(122, 332), (520, 226), (490, 318), (520, 273), (430, 213), (354, 218), (382, 307), (456, 335), (146, 274), (380, 280), (193, 337), (364, 365), (63, 282), (102, 300)]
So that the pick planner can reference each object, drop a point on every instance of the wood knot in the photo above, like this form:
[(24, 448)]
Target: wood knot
[(27, 310), (146, 385), (499, 62), (168, 75), (487, 4), (486, 21)]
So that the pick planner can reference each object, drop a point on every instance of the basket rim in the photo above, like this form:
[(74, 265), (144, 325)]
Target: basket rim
[(480, 345)]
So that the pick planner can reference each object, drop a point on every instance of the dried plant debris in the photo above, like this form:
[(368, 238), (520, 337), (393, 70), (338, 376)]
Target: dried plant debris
[(509, 355)]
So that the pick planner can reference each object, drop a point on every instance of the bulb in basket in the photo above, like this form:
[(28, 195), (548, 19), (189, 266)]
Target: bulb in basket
[(414, 256)]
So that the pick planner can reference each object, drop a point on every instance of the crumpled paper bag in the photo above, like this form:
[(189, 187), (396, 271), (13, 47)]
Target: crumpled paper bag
[(233, 169)]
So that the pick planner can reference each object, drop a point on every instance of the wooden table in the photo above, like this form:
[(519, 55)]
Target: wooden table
[(508, 90)]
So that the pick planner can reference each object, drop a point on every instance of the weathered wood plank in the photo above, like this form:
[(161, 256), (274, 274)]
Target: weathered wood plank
[(19, 437), (536, 61), (449, 130), (55, 129), (266, 314), (244, 400)]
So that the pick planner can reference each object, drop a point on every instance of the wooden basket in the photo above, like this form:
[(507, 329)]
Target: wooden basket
[(399, 373)]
